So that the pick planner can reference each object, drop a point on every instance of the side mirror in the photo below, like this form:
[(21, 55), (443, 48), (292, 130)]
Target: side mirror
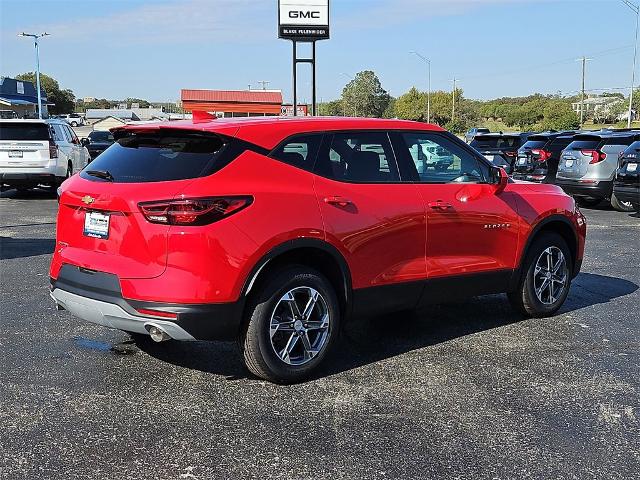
[(84, 141), (502, 180)]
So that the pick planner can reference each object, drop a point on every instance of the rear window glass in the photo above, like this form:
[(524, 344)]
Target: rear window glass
[(157, 157), (584, 144), (24, 131), (561, 142), (534, 144), (496, 142), (619, 141), (101, 136)]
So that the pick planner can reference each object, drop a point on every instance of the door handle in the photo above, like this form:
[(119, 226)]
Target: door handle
[(439, 205), (338, 201)]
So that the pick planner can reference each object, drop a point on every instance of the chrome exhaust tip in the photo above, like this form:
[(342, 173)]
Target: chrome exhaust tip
[(156, 333)]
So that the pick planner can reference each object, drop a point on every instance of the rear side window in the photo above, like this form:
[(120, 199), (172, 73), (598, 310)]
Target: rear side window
[(24, 131), (360, 157), (299, 151), (158, 157)]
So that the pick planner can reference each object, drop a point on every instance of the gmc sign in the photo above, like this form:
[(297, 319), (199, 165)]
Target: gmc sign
[(303, 20)]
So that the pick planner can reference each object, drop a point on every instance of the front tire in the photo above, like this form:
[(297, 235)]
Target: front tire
[(293, 320), (621, 206), (546, 277)]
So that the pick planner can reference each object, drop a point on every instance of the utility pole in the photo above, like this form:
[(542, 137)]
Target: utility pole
[(264, 83), (428, 62), (35, 37), (584, 61), (453, 103), (636, 9)]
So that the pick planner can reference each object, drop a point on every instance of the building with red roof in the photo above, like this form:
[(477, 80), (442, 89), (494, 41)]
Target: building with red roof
[(233, 103)]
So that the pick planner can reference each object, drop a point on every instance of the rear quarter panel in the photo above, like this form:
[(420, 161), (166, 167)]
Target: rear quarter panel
[(210, 264)]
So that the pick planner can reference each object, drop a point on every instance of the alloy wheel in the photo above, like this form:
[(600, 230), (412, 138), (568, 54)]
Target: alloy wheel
[(550, 275), (300, 324)]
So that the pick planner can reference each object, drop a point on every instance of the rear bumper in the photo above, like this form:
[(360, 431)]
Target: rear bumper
[(26, 178), (96, 297), (627, 193), (598, 189)]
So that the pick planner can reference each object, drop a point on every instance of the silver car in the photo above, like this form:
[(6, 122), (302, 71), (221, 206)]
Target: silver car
[(588, 166)]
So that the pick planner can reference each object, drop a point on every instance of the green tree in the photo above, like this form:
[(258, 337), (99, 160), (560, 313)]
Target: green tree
[(63, 100), (364, 96), (141, 102), (558, 115), (412, 105), (390, 111), (333, 108)]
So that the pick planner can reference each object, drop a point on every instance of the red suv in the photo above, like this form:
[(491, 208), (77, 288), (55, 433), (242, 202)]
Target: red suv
[(275, 231)]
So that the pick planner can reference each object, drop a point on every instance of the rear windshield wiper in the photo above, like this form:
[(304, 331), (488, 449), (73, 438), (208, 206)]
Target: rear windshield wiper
[(101, 174)]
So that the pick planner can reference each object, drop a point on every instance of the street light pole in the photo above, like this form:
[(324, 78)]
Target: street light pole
[(636, 9), (428, 62), (35, 37)]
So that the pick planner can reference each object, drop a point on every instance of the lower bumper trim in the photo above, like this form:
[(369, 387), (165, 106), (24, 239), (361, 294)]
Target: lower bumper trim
[(113, 316)]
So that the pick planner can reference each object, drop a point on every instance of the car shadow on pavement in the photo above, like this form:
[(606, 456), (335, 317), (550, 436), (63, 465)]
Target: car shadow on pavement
[(35, 194), (366, 341), (11, 248)]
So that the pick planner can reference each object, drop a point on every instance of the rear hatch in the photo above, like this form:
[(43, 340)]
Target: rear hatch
[(532, 155), (100, 224), (575, 159), (498, 149), (629, 170), (24, 144)]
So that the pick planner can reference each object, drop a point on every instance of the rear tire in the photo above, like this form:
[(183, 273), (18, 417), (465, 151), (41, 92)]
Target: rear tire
[(285, 342), (542, 291), (67, 175), (588, 202), (621, 206)]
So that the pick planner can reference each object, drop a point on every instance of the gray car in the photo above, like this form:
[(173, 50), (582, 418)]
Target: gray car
[(472, 132), (588, 166)]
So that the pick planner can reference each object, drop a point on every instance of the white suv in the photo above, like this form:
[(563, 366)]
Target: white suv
[(39, 152), (73, 119)]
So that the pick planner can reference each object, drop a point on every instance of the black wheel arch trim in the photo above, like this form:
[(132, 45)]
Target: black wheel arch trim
[(535, 231), (296, 244)]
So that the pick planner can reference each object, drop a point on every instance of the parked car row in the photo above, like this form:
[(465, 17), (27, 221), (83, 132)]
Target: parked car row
[(592, 166)]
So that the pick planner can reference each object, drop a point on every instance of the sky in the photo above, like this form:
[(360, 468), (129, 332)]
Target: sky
[(151, 49)]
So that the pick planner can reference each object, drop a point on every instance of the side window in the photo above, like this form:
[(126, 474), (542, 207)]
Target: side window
[(361, 157), (55, 134), (299, 151), (71, 135), (439, 160), (60, 134)]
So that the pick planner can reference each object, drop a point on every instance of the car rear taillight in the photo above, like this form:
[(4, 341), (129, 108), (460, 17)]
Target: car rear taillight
[(510, 154), (543, 155), (596, 155), (53, 149), (193, 211)]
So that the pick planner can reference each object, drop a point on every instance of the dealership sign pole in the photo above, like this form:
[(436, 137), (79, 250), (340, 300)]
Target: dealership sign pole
[(303, 21)]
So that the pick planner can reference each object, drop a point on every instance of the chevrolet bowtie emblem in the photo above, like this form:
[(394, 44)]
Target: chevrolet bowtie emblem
[(88, 200)]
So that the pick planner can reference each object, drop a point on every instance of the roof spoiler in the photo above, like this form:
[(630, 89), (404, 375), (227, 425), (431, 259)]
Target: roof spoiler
[(201, 116)]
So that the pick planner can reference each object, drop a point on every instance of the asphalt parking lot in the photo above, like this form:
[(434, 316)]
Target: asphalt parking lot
[(465, 390)]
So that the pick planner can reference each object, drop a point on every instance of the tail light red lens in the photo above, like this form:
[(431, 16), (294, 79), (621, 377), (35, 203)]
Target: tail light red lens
[(543, 155), (596, 155), (53, 149), (510, 154), (193, 211)]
